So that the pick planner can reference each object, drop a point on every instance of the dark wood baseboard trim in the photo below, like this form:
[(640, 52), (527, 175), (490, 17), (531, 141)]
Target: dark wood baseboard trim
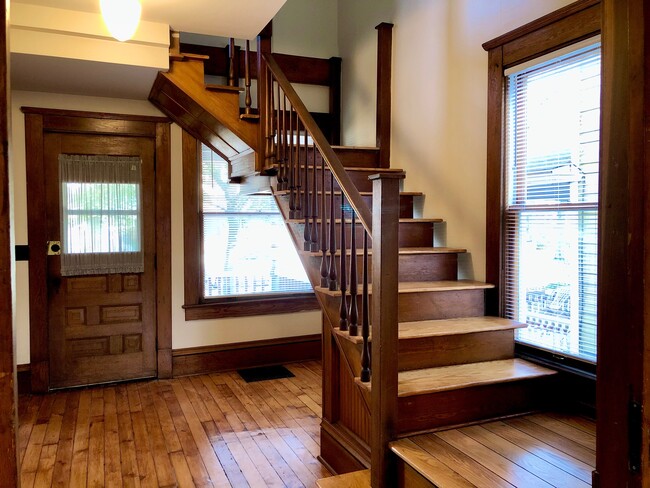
[(212, 359), (341, 451), (24, 379)]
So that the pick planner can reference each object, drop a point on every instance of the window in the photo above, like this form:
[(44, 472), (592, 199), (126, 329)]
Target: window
[(551, 211), (100, 214), (239, 257), (247, 249)]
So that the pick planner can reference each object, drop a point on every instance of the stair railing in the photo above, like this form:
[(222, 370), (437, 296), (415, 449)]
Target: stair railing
[(309, 170)]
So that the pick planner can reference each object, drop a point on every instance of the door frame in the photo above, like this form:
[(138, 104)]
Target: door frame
[(38, 122)]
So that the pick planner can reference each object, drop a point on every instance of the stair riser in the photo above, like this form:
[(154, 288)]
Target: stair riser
[(432, 352), (425, 412), (349, 157), (411, 234), (405, 204), (359, 179), (421, 306), (412, 267)]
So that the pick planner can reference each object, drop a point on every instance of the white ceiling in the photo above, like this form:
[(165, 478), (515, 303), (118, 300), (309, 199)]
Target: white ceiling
[(242, 19)]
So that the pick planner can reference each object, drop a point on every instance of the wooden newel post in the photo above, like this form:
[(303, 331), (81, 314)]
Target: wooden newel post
[(385, 222)]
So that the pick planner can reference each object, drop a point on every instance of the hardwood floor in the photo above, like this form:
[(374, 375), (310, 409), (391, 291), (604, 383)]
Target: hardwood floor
[(208, 430), (540, 450)]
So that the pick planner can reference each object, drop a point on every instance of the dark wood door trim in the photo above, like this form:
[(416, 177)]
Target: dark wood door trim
[(9, 464), (37, 123)]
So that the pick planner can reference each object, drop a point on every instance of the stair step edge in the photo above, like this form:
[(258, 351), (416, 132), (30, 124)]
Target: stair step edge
[(354, 479), (348, 221), (444, 327), (420, 460), (223, 88), (423, 286), (456, 377)]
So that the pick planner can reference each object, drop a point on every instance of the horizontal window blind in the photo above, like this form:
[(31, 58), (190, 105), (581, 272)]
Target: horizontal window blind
[(551, 215), (247, 249)]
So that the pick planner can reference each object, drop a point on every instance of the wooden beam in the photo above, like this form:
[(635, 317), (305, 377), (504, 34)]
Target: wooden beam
[(9, 464)]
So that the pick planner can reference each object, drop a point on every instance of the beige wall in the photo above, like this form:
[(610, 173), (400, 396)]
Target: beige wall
[(439, 99)]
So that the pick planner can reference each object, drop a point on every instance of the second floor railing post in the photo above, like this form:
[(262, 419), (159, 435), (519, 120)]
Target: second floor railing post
[(384, 353), (384, 73), (263, 46)]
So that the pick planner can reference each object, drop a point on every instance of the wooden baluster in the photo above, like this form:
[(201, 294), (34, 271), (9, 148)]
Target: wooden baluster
[(298, 199), (285, 135), (332, 263), (292, 180), (314, 206), (273, 119), (306, 200), (323, 228), (353, 315), (343, 311), (278, 141), (231, 58), (365, 315), (248, 101)]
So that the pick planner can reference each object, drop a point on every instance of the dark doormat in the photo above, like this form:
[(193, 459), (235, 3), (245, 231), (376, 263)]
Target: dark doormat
[(264, 373)]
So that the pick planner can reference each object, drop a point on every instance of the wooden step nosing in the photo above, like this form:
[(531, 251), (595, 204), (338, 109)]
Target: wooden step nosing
[(349, 221), (424, 287), (419, 466), (403, 251)]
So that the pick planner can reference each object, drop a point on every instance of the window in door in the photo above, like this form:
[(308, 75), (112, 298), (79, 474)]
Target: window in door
[(551, 211)]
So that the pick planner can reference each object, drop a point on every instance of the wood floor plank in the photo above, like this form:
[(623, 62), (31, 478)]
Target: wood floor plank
[(164, 418), (569, 446), (554, 456), (464, 465), (63, 462), (144, 456), (43, 477), (586, 425), (509, 471), (216, 472), (113, 470), (79, 470), (519, 456), (430, 467), (129, 460), (562, 428)]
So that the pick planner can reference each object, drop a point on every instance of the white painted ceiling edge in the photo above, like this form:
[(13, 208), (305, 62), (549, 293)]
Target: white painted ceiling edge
[(242, 19), (63, 46)]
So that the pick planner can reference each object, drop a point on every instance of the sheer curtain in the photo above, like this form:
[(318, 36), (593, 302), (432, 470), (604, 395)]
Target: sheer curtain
[(101, 214)]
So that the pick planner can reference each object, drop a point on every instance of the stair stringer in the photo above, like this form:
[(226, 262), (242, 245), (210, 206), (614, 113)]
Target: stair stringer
[(211, 116)]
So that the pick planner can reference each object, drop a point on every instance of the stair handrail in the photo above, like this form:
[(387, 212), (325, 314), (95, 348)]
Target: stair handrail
[(331, 159)]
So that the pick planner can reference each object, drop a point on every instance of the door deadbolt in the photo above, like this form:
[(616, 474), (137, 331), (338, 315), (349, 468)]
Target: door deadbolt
[(53, 248)]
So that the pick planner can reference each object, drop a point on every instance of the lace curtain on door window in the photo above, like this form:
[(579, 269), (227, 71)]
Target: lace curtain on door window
[(101, 214)]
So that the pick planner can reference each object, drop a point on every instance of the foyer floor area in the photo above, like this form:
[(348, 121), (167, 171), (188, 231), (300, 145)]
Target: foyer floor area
[(217, 430), (211, 430)]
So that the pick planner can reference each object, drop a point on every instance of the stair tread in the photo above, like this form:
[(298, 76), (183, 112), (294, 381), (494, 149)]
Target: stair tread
[(362, 193), (445, 378), (424, 286), (402, 251), (354, 479), (357, 148), (183, 56), (445, 327), (360, 169), (419, 459)]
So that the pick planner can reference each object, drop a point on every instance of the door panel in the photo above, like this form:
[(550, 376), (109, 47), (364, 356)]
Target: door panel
[(101, 327)]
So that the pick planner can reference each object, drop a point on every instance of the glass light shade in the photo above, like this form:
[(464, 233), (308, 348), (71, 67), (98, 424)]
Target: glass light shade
[(121, 17)]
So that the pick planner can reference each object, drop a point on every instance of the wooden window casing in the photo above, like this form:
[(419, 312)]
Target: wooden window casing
[(196, 307)]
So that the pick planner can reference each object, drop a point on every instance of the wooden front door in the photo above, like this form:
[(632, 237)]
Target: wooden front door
[(101, 327)]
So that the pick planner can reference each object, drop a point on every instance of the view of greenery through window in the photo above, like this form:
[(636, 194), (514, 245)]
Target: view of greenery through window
[(551, 217), (247, 249)]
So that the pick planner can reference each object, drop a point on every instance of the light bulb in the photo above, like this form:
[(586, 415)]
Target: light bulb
[(121, 17)]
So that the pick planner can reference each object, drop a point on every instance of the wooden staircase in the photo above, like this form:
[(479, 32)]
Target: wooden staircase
[(453, 364)]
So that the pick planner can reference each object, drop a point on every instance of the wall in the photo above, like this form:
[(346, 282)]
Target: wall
[(439, 99)]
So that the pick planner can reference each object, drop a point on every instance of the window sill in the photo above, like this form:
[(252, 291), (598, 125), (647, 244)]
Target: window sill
[(250, 307)]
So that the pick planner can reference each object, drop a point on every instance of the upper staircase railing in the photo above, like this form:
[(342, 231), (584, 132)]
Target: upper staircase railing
[(310, 172)]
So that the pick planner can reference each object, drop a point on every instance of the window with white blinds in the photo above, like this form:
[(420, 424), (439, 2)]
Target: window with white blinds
[(247, 249), (551, 211)]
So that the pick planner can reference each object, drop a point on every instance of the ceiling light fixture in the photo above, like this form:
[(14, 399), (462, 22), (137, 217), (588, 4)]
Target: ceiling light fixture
[(121, 17)]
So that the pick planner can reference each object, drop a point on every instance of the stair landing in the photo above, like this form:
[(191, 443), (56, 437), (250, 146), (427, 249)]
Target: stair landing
[(541, 450)]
